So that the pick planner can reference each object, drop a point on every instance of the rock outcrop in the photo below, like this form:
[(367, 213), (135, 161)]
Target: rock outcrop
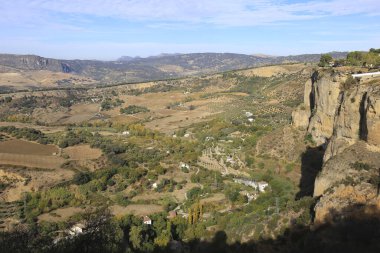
[(348, 180), (336, 116), (343, 118), (34, 62)]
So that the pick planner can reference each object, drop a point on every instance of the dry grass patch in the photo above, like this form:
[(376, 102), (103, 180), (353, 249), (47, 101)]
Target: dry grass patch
[(136, 209), (41, 78), (218, 197), (273, 70), (28, 180), (34, 161), (44, 129), (60, 214), (82, 152), (80, 113)]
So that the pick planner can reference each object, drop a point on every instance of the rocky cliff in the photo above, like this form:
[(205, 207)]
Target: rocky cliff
[(34, 62), (337, 114), (342, 116)]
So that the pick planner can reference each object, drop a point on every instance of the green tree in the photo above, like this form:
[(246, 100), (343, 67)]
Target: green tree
[(325, 60), (355, 58), (135, 237), (142, 238)]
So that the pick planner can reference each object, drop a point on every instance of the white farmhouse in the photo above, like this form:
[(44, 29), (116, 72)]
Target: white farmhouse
[(147, 220), (248, 114), (230, 160), (262, 185), (76, 229), (246, 182), (184, 166)]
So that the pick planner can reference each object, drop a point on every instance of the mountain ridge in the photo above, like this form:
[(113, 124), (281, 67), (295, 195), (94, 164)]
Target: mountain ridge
[(151, 68)]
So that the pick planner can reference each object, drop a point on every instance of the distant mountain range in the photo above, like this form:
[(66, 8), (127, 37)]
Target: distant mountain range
[(135, 69)]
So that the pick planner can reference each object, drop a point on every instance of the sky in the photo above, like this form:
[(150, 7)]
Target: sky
[(108, 29)]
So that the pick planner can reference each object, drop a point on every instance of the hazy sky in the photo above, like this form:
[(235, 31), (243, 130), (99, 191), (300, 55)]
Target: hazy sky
[(108, 29)]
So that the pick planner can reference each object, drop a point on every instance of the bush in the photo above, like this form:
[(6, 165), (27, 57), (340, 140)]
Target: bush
[(132, 109), (360, 166), (194, 193), (289, 167), (81, 178), (349, 83)]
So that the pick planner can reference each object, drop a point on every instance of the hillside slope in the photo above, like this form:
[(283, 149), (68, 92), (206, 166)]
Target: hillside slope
[(152, 68)]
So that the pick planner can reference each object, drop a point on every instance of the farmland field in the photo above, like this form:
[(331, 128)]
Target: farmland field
[(136, 209), (15, 146), (82, 152), (34, 161), (60, 214)]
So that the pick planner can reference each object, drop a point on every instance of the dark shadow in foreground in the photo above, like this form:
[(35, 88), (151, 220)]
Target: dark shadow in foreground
[(311, 165), (354, 229)]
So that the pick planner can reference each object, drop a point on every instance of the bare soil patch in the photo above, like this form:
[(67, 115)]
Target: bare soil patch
[(15, 146), (35, 161)]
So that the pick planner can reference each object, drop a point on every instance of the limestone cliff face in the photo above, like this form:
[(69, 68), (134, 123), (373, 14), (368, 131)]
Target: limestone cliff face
[(301, 116), (357, 118), (321, 100), (347, 181), (345, 121), (33, 62), (337, 117)]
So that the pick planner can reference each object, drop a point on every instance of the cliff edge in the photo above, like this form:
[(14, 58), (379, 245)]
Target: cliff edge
[(342, 116)]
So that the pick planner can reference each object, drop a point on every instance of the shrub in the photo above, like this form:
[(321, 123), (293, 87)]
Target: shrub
[(350, 82), (360, 166), (132, 109), (81, 178)]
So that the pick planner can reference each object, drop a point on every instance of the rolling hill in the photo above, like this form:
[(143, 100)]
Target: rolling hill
[(128, 69)]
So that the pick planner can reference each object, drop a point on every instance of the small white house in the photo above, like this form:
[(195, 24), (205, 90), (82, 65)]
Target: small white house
[(125, 133), (76, 229), (248, 114), (184, 166), (262, 186), (230, 159), (246, 182), (154, 185), (147, 220), (250, 120), (186, 135)]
